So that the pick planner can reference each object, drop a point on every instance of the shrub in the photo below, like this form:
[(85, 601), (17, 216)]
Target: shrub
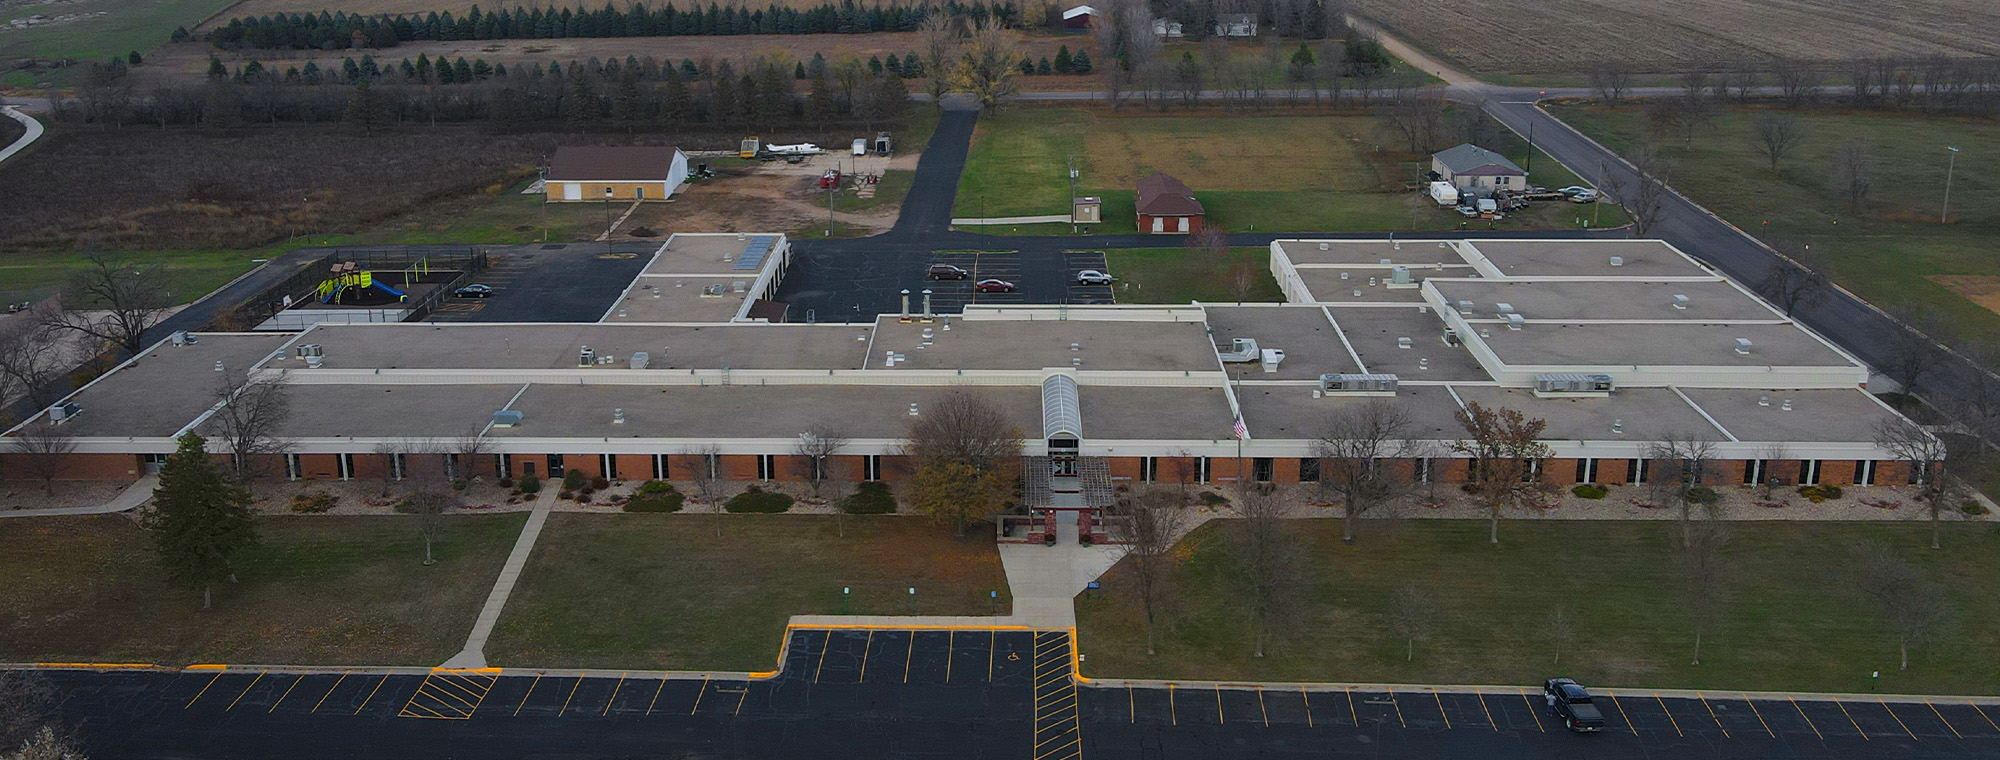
[(599, 484), (758, 500), (871, 498), (655, 496), (566, 495), (1703, 495), (506, 482), (1817, 494), (572, 480), (459, 484), (1213, 499), (531, 484), (314, 502), (1975, 509), (1589, 491)]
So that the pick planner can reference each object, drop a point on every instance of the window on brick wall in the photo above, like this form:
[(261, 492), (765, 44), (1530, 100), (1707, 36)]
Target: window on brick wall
[(871, 467), (608, 465), (1864, 472), (1636, 470), (767, 466), (1809, 472), (292, 469), (1149, 469), (347, 467), (503, 466), (660, 469), (1262, 469), (1420, 470), (1309, 470), (1753, 472), (1201, 469), (396, 465)]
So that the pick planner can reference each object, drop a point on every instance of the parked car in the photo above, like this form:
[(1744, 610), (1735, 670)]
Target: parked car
[(1571, 703), (1572, 190), (1092, 277), (1587, 196), (993, 286), (474, 291), (947, 272), (1468, 211)]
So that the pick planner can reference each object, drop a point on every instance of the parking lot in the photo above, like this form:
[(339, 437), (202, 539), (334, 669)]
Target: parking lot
[(1035, 281), (555, 282), (964, 693)]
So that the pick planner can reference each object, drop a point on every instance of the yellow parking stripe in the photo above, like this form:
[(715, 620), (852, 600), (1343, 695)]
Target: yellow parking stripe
[(1809, 722), (371, 694), (614, 693), (1850, 719), (1941, 719), (246, 690), (1131, 704), (1303, 694), (1173, 713), (741, 698), (1218, 706), (1398, 704), (1760, 716), (572, 695), (1351, 713), (531, 692), (1711, 714), (1899, 720), (950, 645), (1982, 714), (329, 692), (823, 644), (909, 656), (865, 650), (204, 690), (1488, 710), (1535, 712), (1621, 715), (1261, 708), (698, 695), (288, 692), (1440, 700), (1670, 715), (656, 696)]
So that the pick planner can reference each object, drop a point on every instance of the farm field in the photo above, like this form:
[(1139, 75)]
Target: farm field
[(1536, 37), (318, 589), (1323, 173), (1790, 617), (1888, 255), (260, 7), (99, 30), (684, 598)]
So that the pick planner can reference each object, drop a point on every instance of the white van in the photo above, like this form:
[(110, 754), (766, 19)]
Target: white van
[(860, 146)]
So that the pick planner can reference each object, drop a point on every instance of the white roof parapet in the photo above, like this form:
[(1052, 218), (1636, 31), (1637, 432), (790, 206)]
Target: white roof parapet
[(1062, 412)]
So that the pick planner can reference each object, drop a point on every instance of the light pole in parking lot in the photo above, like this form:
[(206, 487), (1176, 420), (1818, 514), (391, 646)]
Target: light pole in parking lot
[(1945, 216), (607, 220)]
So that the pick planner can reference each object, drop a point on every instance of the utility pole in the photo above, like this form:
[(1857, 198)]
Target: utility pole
[(1071, 162), (607, 219), (1945, 216), (1531, 152), (829, 209)]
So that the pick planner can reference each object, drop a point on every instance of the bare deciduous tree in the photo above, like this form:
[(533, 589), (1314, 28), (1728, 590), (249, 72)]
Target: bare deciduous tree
[(707, 477), (1926, 458), (1909, 602), (812, 460), (1704, 581), (33, 357), (426, 473), (27, 704), (391, 452), (940, 40), (1507, 455), (1912, 354), (964, 447), (1560, 630), (1851, 176), (114, 300), (1776, 135), (1265, 552), (41, 447), (1412, 616), (462, 462), (248, 415), (1418, 117), (1645, 199), (1795, 282), (1610, 78), (1679, 463), (1152, 523), (987, 70), (1360, 449), (1798, 81)]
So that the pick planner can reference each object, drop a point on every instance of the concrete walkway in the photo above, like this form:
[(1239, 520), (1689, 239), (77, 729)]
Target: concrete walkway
[(474, 653), (129, 499), (34, 132), (978, 221)]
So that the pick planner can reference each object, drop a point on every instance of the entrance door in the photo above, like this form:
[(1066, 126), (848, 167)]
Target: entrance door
[(1062, 467), (555, 466), (1159, 224), (572, 191), (151, 463), (639, 192)]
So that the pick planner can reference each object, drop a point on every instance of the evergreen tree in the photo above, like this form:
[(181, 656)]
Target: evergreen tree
[(798, 70), (677, 104), (348, 70), (444, 73), (423, 68), (1063, 60), (134, 58), (200, 517), (626, 106), (819, 103), (817, 67), (1027, 66), (891, 99), (364, 108), (688, 70), (310, 73), (1081, 63), (216, 70), (461, 71), (773, 95), (894, 65), (409, 70), (913, 66), (481, 69), (582, 103), (369, 69), (1044, 68), (875, 65)]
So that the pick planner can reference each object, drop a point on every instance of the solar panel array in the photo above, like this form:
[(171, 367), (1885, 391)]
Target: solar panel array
[(755, 251)]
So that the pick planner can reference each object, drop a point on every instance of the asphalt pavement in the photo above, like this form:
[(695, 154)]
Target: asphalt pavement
[(952, 693)]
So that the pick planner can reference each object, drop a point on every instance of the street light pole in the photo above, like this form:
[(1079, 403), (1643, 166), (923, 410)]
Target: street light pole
[(607, 220), (1945, 216)]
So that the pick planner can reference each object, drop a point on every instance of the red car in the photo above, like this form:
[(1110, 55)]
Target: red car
[(993, 286)]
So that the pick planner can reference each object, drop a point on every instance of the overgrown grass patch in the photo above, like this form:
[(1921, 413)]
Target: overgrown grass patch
[(1177, 275)]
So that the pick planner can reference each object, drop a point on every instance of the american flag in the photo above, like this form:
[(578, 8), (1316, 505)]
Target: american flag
[(1242, 432)]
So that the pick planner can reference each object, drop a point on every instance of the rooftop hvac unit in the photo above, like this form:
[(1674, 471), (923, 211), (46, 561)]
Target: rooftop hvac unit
[(1324, 246), (714, 291), (1241, 350), (617, 416), (1352, 385), (63, 412), (1572, 384), (1503, 308), (310, 350), (1450, 337), (739, 286), (607, 359), (180, 338), (1405, 343), (1385, 262), (1680, 302), (1464, 308), (1743, 346), (586, 357), (1515, 321), (506, 418), (1399, 275), (1618, 261), (641, 359), (313, 362), (1272, 357)]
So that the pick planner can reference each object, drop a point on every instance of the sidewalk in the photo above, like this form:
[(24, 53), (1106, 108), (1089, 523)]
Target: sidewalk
[(473, 656), (34, 131), (131, 498)]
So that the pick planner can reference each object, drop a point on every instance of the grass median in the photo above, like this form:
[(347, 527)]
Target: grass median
[(1791, 617), (1178, 276), (317, 590), (653, 591)]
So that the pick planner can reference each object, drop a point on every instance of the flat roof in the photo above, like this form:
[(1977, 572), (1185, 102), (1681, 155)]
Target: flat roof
[(744, 411), (1290, 411), (1587, 258), (1042, 343), (437, 412), (1710, 300), (1413, 253), (660, 299), (168, 387), (1654, 344), (1835, 415), (1644, 414), (1310, 341), (705, 256), (1373, 330), (474, 345), (1155, 413), (1327, 286)]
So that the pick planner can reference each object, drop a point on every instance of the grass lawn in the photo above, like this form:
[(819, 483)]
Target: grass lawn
[(1793, 618), (1174, 275), (1336, 173), (661, 591), (1886, 255), (125, 25), (321, 590)]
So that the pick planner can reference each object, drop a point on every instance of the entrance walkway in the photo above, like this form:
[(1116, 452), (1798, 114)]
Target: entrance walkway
[(473, 656), (135, 495)]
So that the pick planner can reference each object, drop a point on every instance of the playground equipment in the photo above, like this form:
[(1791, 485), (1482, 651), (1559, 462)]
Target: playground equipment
[(348, 274)]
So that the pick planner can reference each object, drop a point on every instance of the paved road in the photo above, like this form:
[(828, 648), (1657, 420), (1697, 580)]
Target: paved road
[(946, 694)]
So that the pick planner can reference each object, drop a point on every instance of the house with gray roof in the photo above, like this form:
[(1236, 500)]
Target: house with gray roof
[(1470, 167)]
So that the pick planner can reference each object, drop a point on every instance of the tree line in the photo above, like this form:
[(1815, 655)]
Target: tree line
[(336, 30), (1935, 83)]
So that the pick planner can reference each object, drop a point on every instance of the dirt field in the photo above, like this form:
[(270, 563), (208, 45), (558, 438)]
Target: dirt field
[(260, 7), (770, 196), (1982, 289), (1560, 36), (1262, 153)]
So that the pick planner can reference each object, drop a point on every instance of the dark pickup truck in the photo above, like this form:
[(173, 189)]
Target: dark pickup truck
[(1572, 705)]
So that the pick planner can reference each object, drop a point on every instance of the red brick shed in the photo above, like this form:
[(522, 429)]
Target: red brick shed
[(1167, 207)]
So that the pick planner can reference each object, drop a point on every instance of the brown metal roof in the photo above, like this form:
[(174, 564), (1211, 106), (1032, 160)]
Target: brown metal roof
[(593, 163), (1161, 195)]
